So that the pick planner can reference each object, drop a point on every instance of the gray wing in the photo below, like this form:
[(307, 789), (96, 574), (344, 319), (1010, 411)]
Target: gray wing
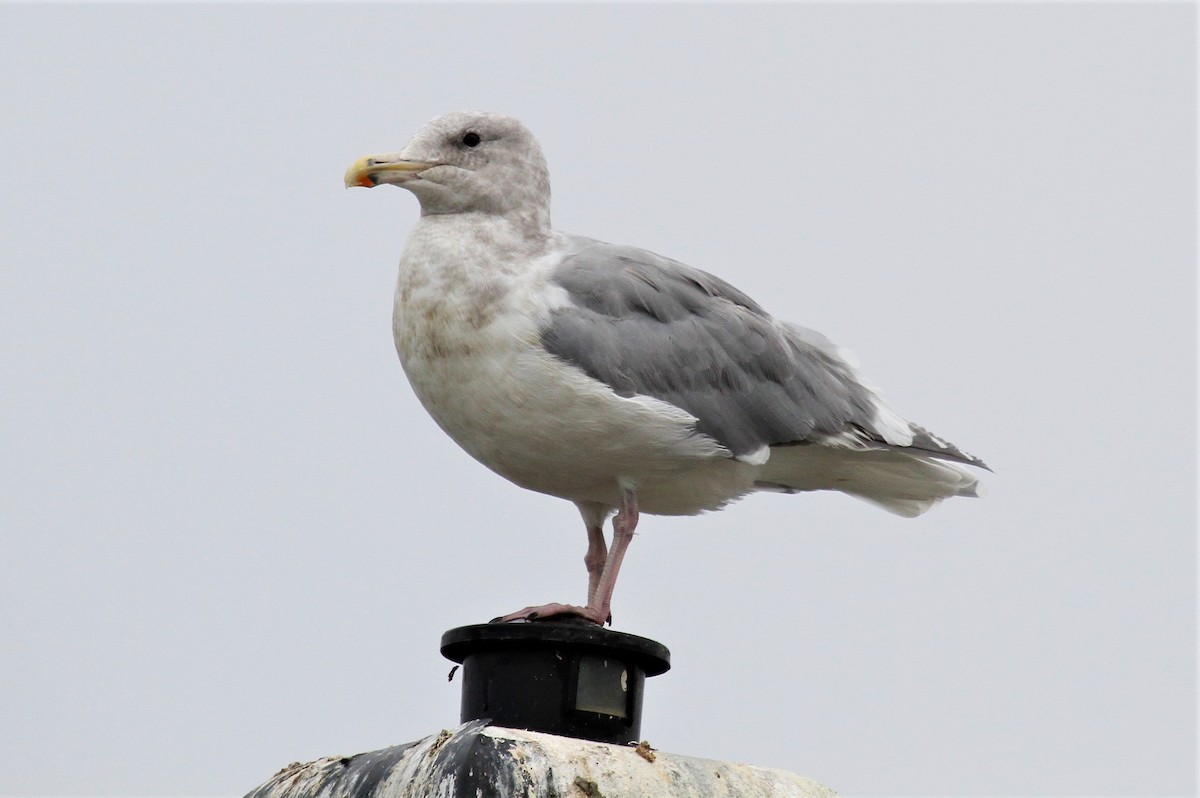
[(644, 324)]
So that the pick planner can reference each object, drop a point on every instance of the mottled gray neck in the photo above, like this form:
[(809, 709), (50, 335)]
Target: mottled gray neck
[(531, 221), (497, 244)]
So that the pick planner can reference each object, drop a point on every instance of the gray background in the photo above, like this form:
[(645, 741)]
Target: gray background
[(232, 538)]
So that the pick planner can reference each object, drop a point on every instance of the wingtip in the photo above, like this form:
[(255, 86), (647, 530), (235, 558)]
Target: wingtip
[(926, 441)]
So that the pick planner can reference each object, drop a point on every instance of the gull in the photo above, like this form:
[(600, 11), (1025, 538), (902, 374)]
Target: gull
[(615, 378)]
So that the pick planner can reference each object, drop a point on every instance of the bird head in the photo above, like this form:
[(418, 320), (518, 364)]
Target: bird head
[(465, 162)]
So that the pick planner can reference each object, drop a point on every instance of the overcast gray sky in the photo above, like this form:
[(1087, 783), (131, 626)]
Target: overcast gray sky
[(232, 537)]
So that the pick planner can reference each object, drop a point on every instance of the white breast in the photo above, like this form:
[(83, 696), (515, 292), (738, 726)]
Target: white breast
[(466, 328)]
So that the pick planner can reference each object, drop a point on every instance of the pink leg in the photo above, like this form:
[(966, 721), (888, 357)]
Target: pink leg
[(624, 524), (601, 580), (597, 555)]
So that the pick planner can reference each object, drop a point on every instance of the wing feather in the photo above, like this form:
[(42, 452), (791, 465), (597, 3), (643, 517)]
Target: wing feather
[(644, 324)]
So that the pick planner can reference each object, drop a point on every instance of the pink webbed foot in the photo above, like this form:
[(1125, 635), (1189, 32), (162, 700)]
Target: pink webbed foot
[(590, 614)]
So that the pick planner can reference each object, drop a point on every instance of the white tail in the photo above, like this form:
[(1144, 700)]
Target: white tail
[(904, 482)]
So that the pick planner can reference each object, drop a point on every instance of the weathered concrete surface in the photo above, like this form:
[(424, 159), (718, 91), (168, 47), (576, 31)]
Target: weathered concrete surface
[(490, 762)]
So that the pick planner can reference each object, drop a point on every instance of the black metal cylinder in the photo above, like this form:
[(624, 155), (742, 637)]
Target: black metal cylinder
[(559, 677)]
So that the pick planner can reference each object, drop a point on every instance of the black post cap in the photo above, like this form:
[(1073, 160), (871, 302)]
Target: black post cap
[(564, 677)]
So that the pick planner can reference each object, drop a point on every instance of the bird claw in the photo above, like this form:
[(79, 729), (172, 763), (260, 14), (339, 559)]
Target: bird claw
[(557, 612)]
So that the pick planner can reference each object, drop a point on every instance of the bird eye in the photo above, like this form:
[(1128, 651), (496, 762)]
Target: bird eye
[(471, 139)]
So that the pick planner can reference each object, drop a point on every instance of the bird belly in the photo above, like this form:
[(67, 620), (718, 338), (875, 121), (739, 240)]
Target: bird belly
[(547, 426)]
